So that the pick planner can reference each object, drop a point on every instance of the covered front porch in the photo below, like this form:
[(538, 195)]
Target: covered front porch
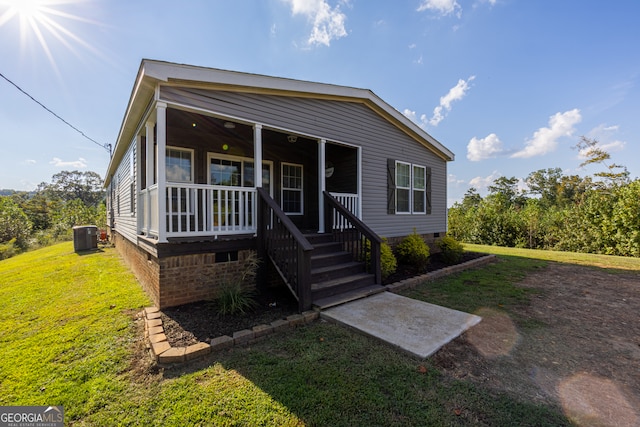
[(203, 165), (198, 182)]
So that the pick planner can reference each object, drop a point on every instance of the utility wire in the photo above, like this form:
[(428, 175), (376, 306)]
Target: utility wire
[(105, 146)]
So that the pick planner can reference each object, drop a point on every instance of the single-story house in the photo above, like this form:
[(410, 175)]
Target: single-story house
[(339, 167)]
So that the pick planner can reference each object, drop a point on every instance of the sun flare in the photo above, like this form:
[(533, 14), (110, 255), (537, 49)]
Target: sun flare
[(46, 21)]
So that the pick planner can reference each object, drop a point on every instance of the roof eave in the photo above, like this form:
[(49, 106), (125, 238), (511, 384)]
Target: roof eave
[(152, 72)]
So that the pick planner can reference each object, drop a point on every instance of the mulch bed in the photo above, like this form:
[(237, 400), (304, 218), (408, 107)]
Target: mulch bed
[(190, 323)]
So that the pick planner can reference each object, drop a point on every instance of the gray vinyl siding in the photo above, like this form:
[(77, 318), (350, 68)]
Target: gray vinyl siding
[(124, 213), (344, 122)]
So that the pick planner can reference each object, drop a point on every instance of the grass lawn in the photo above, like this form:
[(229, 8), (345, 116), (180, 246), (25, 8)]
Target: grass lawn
[(608, 262), (69, 337)]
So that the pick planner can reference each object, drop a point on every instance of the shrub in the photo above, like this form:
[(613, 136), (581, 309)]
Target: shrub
[(237, 293), (388, 262), (14, 224), (8, 249), (451, 250), (413, 250)]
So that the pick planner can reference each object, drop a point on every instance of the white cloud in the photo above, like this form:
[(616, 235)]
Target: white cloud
[(606, 140), (442, 7), (453, 180), (545, 139), (456, 93), (411, 115), (29, 162), (328, 23), (613, 146), (481, 183), (59, 163), (485, 148)]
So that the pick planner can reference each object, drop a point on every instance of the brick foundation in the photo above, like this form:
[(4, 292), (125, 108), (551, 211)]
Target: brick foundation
[(181, 279), (177, 280)]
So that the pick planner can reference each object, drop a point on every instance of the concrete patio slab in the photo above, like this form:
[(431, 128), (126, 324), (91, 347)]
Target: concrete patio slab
[(416, 327)]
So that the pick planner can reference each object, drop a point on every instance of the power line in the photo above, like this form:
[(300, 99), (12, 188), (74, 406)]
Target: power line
[(105, 146)]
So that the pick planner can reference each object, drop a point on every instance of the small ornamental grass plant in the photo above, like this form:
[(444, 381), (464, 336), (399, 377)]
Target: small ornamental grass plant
[(413, 250), (238, 292)]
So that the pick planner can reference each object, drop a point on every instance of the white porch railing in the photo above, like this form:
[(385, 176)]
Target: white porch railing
[(202, 210), (351, 202), (147, 200), (195, 210)]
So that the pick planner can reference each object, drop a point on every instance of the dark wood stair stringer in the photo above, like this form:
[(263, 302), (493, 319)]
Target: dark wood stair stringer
[(335, 277)]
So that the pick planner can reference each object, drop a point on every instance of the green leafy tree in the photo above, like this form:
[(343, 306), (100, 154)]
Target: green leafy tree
[(14, 224), (614, 174), (546, 184), (505, 190), (73, 213), (625, 221), (71, 185)]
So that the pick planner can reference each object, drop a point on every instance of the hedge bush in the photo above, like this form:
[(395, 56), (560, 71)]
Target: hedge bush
[(452, 250), (413, 250)]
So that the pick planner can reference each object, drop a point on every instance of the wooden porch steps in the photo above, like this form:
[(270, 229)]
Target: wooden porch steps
[(335, 277)]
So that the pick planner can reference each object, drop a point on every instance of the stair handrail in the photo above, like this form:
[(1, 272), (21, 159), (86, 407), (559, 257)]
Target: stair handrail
[(356, 223), (280, 240)]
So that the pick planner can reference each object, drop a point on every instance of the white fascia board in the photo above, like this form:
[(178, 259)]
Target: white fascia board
[(152, 72), (167, 72)]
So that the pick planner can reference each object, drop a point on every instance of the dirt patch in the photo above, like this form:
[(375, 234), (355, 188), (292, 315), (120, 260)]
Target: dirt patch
[(576, 345)]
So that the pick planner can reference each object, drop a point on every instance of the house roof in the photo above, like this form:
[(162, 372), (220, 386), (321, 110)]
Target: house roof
[(153, 72)]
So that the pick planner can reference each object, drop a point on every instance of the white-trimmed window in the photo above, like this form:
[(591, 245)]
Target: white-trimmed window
[(292, 189), (408, 188), (235, 171), (179, 164), (403, 187)]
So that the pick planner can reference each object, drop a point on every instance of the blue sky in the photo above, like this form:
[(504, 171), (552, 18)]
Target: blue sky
[(508, 85)]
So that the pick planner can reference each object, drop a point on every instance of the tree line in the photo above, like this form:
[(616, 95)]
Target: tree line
[(593, 214), (48, 214)]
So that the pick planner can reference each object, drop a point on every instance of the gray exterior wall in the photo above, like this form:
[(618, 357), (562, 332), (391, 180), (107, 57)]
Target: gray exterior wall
[(343, 122), (122, 205)]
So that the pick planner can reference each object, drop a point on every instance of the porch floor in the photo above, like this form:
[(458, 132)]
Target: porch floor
[(416, 327)]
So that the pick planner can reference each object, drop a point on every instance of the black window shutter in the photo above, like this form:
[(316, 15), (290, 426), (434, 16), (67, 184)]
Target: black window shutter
[(391, 186), (428, 191)]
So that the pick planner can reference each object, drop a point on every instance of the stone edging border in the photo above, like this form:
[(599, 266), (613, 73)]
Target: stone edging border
[(428, 277), (165, 354)]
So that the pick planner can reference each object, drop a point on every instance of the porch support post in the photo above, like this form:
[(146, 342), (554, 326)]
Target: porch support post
[(161, 139), (359, 178), (257, 154), (149, 176), (322, 145), (260, 211)]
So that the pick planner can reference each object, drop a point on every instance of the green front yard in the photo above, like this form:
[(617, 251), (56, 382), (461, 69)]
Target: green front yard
[(70, 337)]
